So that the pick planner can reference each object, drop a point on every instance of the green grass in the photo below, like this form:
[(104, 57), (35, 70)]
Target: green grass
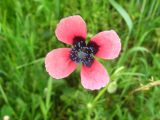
[(27, 35)]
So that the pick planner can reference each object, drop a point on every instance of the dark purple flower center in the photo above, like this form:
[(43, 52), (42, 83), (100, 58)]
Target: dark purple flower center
[(82, 53)]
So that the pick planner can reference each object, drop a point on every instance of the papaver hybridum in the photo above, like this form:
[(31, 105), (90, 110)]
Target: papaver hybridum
[(61, 62)]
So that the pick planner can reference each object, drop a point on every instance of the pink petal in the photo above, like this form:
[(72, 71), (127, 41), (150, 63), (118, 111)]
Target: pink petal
[(109, 44), (70, 27), (58, 63), (94, 77)]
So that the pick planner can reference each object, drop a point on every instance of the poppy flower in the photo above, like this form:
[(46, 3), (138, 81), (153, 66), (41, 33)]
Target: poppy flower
[(61, 62)]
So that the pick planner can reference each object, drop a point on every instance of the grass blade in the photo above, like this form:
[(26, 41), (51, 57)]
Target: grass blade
[(123, 13)]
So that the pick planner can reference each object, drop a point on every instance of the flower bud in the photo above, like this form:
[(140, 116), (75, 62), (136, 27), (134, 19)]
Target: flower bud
[(112, 87)]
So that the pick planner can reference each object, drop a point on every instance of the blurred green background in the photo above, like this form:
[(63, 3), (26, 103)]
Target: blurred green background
[(27, 35)]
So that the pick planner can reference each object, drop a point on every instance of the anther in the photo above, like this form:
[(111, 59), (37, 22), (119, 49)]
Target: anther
[(82, 53)]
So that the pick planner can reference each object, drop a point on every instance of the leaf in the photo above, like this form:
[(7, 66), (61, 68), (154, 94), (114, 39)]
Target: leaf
[(123, 13), (6, 110), (138, 49)]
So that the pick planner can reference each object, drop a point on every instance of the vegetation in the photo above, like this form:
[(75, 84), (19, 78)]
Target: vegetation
[(27, 35)]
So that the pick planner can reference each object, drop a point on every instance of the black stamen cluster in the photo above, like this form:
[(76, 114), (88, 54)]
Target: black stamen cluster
[(82, 53)]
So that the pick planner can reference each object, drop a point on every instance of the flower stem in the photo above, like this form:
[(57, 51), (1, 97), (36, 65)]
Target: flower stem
[(100, 94)]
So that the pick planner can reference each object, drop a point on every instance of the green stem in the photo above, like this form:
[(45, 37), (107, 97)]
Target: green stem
[(48, 97), (122, 58), (100, 94)]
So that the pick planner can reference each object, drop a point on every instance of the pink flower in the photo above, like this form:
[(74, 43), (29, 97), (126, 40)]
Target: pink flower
[(61, 62)]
